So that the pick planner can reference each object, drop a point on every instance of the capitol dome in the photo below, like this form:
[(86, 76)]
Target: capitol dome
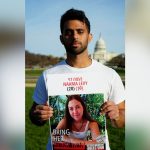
[(100, 53), (100, 45)]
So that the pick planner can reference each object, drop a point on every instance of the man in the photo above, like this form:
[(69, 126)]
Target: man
[(75, 36)]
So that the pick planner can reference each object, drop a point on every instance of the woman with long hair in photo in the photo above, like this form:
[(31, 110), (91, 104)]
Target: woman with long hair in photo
[(78, 121)]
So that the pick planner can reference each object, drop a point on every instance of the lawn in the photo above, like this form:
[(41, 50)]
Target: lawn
[(36, 137), (37, 72), (33, 72)]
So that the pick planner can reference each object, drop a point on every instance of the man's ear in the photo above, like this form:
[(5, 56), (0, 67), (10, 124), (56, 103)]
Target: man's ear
[(90, 37), (61, 39)]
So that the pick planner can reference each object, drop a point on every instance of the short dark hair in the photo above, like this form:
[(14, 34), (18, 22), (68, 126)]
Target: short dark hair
[(73, 14)]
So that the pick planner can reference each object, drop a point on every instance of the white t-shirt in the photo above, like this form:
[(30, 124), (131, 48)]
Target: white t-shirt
[(110, 81)]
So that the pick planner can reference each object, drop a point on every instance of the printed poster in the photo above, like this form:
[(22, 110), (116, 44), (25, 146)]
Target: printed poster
[(77, 123)]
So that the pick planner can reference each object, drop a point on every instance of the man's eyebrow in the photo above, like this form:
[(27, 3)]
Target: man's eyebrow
[(68, 29), (78, 29)]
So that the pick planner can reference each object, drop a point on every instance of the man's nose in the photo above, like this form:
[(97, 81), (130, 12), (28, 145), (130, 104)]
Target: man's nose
[(75, 35)]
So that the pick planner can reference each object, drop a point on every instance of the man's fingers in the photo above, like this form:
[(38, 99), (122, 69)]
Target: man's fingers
[(44, 115), (106, 104), (43, 112), (110, 108), (43, 107), (113, 115)]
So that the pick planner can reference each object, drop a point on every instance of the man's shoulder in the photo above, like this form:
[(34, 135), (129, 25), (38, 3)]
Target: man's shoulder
[(56, 68), (103, 68)]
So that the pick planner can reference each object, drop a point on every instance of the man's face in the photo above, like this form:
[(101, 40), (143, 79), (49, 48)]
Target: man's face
[(75, 37)]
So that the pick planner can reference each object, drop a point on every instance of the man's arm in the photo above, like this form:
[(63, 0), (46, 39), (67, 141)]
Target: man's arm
[(39, 114), (115, 112)]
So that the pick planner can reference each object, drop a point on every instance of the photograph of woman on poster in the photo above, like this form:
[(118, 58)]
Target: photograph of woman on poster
[(79, 122)]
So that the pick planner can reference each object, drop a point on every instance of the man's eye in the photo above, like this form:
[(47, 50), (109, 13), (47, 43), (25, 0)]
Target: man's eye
[(68, 33), (80, 31)]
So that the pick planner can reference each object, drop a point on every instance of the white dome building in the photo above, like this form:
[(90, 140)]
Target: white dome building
[(100, 53)]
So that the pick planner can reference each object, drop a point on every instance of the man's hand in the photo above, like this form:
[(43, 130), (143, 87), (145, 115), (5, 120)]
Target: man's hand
[(111, 110), (43, 112), (39, 114), (114, 112)]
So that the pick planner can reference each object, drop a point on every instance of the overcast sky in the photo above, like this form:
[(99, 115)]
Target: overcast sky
[(42, 28)]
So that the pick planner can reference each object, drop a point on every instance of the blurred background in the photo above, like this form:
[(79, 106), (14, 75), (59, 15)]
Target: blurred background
[(12, 76), (12, 64)]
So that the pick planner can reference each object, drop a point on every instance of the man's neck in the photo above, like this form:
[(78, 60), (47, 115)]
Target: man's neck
[(79, 61)]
